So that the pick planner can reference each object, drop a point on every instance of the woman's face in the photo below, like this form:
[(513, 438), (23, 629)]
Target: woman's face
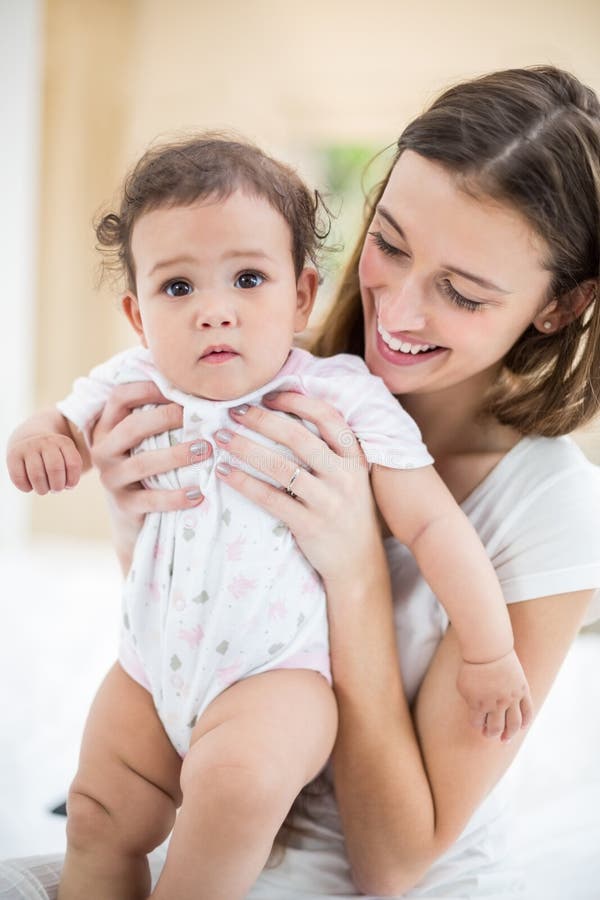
[(448, 282)]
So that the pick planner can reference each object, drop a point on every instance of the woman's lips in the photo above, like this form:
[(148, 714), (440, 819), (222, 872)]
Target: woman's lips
[(397, 358)]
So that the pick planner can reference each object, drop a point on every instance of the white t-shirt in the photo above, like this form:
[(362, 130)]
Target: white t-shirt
[(538, 515)]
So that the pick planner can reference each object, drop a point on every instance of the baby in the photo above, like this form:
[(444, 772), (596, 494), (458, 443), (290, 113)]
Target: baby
[(224, 643)]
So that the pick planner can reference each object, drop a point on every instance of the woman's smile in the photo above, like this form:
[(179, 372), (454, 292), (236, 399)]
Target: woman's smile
[(405, 352), (424, 331)]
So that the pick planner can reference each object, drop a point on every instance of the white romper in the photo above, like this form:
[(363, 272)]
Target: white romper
[(222, 591)]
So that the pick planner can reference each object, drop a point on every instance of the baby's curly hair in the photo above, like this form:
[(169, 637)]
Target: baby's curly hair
[(211, 165)]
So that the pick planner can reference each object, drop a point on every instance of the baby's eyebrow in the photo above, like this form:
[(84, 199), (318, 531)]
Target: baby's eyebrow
[(172, 261), (191, 260), (256, 254)]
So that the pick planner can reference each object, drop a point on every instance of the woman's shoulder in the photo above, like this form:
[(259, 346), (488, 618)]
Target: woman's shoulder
[(538, 514), (536, 464)]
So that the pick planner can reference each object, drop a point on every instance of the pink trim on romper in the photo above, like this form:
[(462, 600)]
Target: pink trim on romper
[(316, 660)]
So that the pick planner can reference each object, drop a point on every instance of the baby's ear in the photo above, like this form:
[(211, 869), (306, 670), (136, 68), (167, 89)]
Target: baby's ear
[(306, 292), (131, 308)]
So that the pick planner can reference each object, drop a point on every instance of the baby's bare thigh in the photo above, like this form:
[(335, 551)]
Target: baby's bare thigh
[(127, 763), (285, 717)]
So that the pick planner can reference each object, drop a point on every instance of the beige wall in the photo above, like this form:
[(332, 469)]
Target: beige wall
[(120, 72)]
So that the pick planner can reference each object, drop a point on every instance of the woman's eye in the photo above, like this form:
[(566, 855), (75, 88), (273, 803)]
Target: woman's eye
[(178, 288), (458, 299), (383, 245), (248, 280)]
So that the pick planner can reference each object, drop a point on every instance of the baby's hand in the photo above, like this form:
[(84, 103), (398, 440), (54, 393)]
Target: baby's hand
[(44, 462), (497, 695)]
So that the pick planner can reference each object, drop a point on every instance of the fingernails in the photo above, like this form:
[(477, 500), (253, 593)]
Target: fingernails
[(199, 448), (240, 410), (196, 494), (223, 468), (224, 436), (271, 396)]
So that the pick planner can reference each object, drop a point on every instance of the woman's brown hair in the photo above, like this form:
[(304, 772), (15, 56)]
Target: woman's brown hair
[(529, 139)]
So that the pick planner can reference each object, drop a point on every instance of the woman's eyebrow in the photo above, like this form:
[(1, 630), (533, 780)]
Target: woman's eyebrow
[(477, 279)]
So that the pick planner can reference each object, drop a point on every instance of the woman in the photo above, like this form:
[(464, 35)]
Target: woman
[(483, 245)]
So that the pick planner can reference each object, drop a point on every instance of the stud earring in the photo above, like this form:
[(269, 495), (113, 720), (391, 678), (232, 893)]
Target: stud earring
[(547, 325)]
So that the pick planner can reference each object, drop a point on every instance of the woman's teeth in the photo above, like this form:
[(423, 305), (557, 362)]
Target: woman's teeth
[(403, 346)]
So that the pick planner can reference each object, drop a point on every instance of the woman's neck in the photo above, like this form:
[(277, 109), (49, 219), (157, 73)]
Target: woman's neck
[(452, 423)]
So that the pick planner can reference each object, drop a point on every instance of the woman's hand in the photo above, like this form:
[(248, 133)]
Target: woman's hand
[(330, 510), (118, 431)]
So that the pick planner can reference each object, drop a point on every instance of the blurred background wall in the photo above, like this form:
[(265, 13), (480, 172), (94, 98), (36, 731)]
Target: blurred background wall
[(88, 84)]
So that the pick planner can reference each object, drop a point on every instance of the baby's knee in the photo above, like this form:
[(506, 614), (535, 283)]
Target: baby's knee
[(94, 823), (247, 784), (88, 821)]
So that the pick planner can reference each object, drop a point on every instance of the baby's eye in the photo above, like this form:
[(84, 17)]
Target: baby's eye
[(249, 280), (178, 288)]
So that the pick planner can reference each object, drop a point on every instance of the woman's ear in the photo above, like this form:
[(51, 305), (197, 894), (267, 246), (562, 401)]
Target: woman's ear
[(306, 292), (131, 308), (558, 313)]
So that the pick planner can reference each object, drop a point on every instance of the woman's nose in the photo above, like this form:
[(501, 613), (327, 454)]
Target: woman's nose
[(402, 309)]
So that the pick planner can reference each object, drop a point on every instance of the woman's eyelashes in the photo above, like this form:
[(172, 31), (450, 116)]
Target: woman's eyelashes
[(446, 285), (458, 299), (384, 246)]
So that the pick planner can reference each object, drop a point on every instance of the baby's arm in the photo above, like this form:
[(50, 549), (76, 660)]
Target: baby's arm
[(424, 516), (46, 453)]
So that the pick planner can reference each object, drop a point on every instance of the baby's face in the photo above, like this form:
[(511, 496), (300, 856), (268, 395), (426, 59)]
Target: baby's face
[(217, 300)]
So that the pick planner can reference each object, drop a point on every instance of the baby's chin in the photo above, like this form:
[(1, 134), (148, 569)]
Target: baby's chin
[(220, 389)]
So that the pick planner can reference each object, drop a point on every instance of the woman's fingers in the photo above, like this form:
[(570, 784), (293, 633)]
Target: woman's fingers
[(306, 446), (136, 502), (126, 397), (273, 500), (268, 461), (332, 426), (109, 441), (129, 470)]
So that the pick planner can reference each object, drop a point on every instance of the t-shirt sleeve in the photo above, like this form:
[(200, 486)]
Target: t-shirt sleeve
[(550, 543), (387, 434)]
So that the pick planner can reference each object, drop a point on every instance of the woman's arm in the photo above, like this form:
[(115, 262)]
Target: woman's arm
[(119, 429), (406, 789)]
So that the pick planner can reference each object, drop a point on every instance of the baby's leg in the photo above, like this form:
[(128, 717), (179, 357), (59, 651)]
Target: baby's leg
[(122, 802), (252, 751)]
